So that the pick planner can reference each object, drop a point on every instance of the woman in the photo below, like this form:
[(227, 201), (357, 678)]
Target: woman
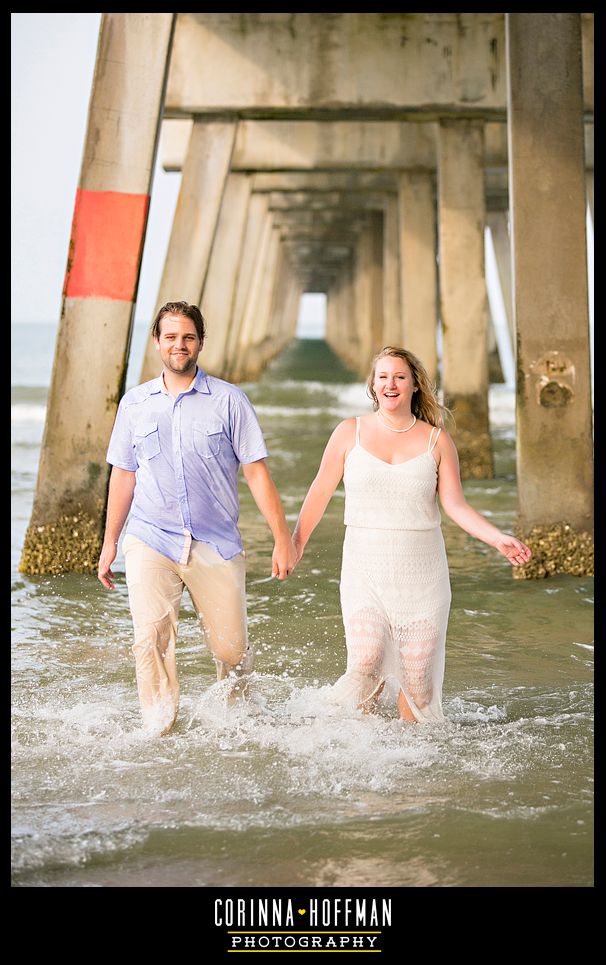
[(395, 588)]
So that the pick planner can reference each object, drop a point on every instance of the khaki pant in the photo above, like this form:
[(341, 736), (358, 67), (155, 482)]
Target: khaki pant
[(155, 586)]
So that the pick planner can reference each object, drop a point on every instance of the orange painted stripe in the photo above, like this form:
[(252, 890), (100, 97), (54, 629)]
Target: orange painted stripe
[(106, 245)]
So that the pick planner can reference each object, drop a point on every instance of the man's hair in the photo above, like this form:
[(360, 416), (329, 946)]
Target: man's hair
[(180, 308)]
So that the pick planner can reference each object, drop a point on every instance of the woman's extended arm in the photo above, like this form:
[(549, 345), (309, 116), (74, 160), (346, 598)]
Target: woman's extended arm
[(327, 479), (458, 509)]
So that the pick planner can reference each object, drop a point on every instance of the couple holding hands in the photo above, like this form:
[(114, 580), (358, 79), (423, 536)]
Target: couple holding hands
[(175, 451)]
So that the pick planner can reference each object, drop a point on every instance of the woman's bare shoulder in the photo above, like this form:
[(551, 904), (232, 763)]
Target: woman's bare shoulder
[(425, 427), (343, 437), (345, 429), (428, 428)]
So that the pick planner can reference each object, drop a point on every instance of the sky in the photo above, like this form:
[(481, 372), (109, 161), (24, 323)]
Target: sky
[(52, 65)]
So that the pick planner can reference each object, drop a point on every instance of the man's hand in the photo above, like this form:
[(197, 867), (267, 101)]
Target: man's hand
[(120, 497), (284, 558), (108, 555)]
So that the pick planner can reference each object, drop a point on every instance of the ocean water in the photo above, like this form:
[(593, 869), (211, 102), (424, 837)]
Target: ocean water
[(286, 790)]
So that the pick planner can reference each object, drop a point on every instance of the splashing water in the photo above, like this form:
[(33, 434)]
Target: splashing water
[(285, 788)]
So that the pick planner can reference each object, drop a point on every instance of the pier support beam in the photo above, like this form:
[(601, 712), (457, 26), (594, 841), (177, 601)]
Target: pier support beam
[(547, 198), (464, 304), (369, 292), (244, 365), (392, 312), (218, 296), (341, 330), (195, 221), (257, 217), (260, 349), (418, 267), (105, 250)]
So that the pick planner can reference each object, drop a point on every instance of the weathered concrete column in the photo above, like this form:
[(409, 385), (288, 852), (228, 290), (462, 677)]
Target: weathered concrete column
[(220, 288), (418, 267), (369, 291), (282, 318), (363, 299), (392, 312), (274, 342), (547, 198), (463, 296), (291, 308), (350, 351), (336, 330), (351, 343), (341, 330), (202, 185), (260, 349), (253, 233), (333, 324), (245, 365), (242, 367), (377, 288), (105, 250)]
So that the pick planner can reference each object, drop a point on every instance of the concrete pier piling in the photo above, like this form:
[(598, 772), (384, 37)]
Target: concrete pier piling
[(548, 201), (463, 297), (105, 250)]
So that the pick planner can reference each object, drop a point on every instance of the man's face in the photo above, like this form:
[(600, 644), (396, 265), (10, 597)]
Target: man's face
[(178, 345)]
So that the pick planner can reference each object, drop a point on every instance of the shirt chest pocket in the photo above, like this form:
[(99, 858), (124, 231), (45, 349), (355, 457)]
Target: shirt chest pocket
[(207, 440), (147, 440)]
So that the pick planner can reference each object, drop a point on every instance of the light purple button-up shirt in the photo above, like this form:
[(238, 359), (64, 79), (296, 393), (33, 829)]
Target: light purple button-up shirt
[(186, 452)]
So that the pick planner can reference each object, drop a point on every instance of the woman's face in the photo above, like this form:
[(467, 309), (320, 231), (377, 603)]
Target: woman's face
[(393, 384)]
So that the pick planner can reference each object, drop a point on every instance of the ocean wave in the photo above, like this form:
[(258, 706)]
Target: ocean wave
[(350, 399), (21, 413), (297, 411)]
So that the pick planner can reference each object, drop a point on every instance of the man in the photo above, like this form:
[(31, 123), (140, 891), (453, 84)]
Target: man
[(175, 449)]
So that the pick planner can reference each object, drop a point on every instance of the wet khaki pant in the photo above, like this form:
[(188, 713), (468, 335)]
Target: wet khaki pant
[(155, 586)]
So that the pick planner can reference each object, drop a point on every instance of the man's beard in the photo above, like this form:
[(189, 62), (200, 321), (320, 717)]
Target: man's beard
[(183, 366)]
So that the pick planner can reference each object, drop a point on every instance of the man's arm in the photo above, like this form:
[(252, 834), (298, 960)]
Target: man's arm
[(267, 498), (121, 489)]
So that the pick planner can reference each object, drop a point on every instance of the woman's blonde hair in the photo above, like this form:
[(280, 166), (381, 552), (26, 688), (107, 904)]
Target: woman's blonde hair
[(424, 402)]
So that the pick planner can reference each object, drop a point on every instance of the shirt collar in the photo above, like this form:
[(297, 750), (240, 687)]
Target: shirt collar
[(199, 383)]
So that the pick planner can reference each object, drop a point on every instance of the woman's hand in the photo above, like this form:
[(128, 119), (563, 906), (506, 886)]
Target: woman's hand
[(299, 547), (513, 549)]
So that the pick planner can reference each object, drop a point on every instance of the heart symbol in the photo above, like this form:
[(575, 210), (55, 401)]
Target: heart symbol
[(301, 911)]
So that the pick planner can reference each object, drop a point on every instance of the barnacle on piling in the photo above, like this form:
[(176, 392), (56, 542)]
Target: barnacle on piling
[(556, 549)]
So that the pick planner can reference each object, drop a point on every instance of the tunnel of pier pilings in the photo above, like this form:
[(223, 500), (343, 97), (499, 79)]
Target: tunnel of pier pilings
[(429, 174)]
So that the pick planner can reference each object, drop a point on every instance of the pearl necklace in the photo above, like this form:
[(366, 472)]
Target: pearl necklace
[(408, 428)]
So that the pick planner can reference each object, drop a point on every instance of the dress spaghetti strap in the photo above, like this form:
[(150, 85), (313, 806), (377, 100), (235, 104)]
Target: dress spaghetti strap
[(431, 445), (357, 430)]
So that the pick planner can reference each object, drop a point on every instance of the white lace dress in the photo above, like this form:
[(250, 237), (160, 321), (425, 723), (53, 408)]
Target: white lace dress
[(395, 587)]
